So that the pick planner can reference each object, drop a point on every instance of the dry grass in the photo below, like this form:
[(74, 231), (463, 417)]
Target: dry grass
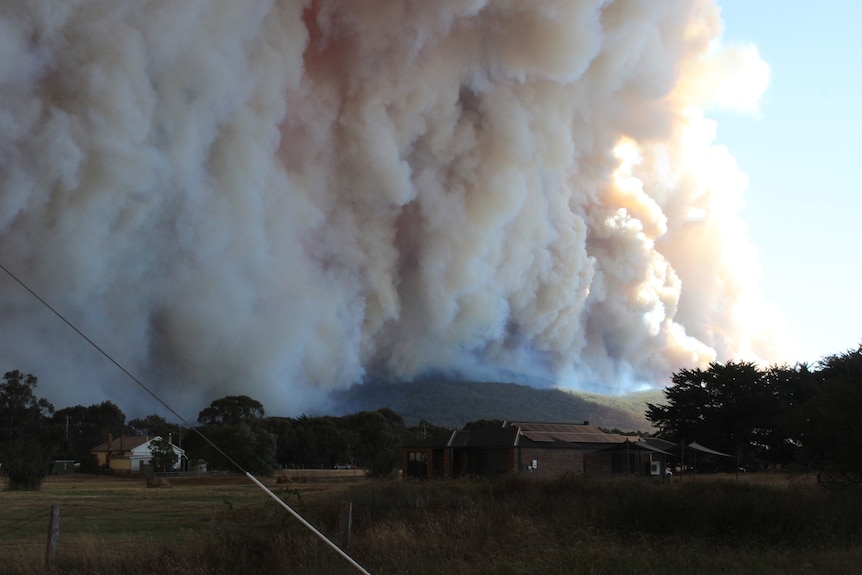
[(767, 478), (761, 523)]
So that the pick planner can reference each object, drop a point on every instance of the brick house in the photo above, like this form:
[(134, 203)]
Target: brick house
[(130, 453), (543, 450)]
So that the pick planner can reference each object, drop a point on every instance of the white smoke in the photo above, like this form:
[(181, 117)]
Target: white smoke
[(280, 198)]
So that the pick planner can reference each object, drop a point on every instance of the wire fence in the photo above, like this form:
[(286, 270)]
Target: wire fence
[(119, 512)]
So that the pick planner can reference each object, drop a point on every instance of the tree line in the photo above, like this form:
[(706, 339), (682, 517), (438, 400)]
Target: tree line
[(232, 431), (791, 416)]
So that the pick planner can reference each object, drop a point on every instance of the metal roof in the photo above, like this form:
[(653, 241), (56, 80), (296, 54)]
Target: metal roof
[(698, 447), (566, 433), (127, 442), (485, 437), (563, 435)]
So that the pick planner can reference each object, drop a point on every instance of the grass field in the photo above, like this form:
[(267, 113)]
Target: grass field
[(756, 523), (104, 514)]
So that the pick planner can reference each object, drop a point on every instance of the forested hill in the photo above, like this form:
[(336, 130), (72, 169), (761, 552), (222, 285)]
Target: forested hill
[(453, 403)]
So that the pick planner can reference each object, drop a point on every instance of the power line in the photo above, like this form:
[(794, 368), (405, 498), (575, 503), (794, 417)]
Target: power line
[(181, 418)]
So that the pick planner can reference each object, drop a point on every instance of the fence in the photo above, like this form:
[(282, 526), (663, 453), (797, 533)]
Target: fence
[(102, 515)]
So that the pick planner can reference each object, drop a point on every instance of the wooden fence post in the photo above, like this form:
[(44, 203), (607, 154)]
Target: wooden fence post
[(53, 535), (346, 522), (213, 524)]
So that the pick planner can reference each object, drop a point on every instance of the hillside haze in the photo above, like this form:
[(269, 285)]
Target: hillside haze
[(454, 403)]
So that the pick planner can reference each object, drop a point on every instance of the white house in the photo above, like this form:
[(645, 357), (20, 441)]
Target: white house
[(131, 453)]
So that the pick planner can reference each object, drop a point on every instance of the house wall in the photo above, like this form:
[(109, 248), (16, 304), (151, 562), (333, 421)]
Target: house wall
[(551, 463), (614, 463), (598, 464), (116, 460), (121, 464), (418, 463)]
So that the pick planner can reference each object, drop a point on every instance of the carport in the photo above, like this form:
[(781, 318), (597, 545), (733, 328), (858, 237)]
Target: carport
[(693, 449)]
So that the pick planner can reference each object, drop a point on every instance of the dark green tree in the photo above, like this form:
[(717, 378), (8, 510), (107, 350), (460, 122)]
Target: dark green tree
[(834, 433), (792, 390), (83, 428), (27, 438), (155, 425), (728, 407), (682, 416), (373, 441), (253, 449), (283, 430), (232, 409), (236, 425), (424, 430), (320, 442), (163, 455)]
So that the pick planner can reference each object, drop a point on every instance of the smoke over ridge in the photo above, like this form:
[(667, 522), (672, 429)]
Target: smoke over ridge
[(281, 197)]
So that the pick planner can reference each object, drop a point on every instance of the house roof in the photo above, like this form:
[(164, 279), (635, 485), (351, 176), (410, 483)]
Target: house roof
[(126, 443), (485, 437), (566, 433), (660, 443), (525, 433)]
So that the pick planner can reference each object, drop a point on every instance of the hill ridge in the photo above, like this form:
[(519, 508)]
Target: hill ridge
[(449, 403)]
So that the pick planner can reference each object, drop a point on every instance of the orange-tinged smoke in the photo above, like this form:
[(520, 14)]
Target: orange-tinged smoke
[(281, 197)]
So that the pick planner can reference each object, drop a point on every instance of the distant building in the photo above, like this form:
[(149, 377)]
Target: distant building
[(61, 467), (543, 450), (131, 453)]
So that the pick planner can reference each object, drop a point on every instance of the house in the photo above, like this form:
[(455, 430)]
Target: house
[(131, 453), (543, 450)]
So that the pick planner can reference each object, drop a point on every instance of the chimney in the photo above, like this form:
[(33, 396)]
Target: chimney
[(108, 453)]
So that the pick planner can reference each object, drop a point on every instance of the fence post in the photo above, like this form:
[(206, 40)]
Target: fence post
[(212, 524), (346, 521), (53, 535)]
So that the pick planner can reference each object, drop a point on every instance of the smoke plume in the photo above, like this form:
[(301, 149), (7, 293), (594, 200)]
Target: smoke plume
[(284, 197)]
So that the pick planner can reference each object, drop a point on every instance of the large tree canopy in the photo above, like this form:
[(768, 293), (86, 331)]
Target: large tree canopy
[(779, 415), (86, 427), (27, 440), (727, 406), (153, 425), (232, 409), (833, 438), (235, 424)]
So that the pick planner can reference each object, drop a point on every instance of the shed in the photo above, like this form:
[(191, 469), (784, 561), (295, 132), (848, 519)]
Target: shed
[(61, 467)]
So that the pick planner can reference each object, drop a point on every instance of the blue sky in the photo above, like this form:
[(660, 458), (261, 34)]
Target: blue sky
[(801, 155)]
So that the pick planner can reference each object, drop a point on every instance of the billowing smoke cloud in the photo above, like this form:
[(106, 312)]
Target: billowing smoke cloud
[(280, 197)]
